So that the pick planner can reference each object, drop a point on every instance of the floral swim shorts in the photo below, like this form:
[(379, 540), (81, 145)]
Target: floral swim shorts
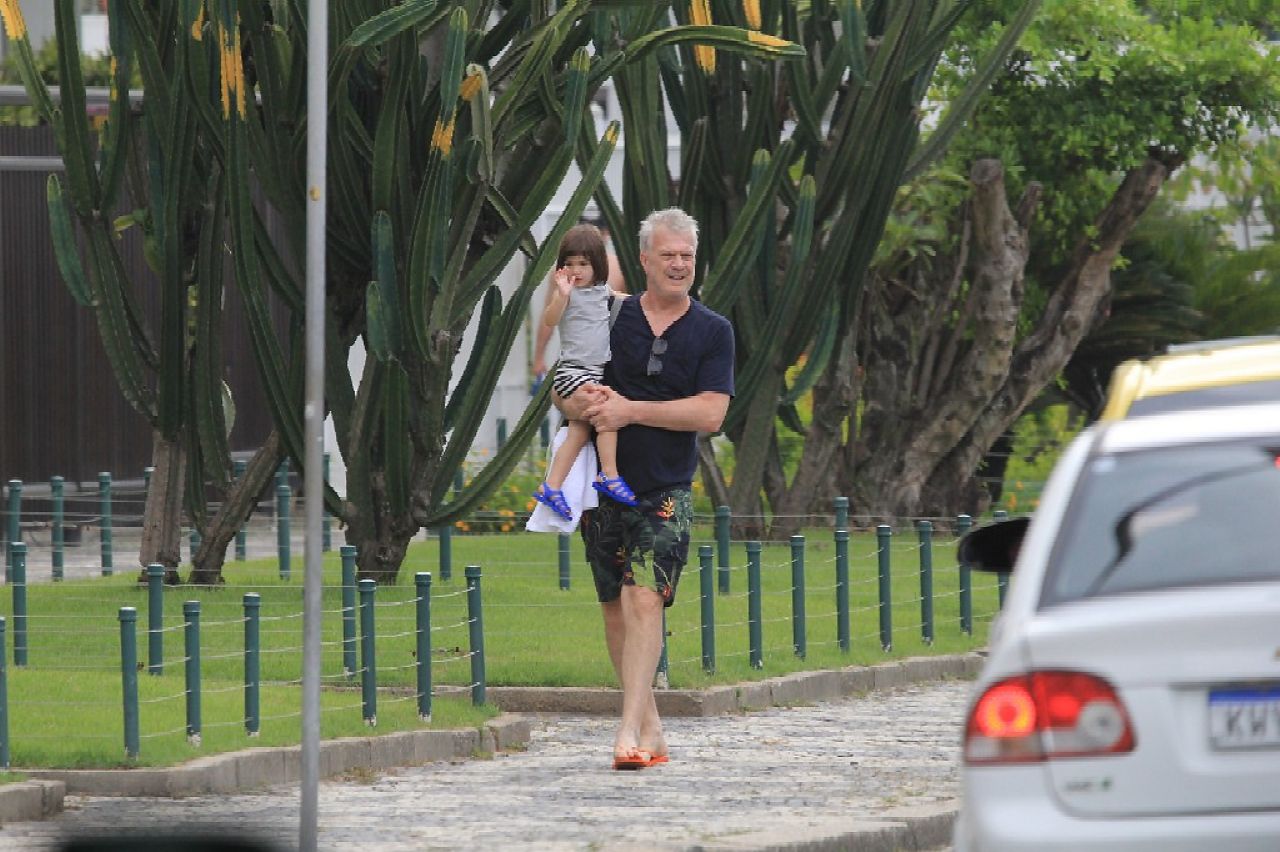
[(642, 545)]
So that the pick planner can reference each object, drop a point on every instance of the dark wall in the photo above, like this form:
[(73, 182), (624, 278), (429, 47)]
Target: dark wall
[(60, 410)]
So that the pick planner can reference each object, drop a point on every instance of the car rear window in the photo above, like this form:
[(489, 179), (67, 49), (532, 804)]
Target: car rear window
[(1194, 515), (1234, 394)]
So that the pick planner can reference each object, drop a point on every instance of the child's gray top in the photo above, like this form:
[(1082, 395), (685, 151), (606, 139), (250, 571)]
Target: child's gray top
[(584, 325)]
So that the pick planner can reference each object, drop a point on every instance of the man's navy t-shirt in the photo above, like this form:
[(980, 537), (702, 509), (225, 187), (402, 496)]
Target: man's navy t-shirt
[(698, 358)]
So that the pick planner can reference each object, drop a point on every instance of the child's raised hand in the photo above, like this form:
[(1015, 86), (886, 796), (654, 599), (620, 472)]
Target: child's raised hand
[(563, 281)]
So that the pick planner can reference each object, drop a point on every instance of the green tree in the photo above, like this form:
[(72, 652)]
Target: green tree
[(1101, 103)]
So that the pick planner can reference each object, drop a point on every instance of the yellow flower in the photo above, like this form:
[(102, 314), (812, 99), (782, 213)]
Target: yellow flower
[(528, 506), (442, 141), (704, 55), (506, 527), (766, 39), (232, 67), (14, 23), (470, 85)]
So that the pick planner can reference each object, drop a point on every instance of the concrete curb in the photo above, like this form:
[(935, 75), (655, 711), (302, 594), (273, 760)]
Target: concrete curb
[(912, 830), (258, 768), (24, 801), (795, 688), (266, 767)]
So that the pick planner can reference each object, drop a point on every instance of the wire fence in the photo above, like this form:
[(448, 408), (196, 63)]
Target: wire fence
[(137, 654)]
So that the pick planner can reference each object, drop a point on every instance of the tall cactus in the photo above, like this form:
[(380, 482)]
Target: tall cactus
[(791, 169), (441, 162), (172, 375)]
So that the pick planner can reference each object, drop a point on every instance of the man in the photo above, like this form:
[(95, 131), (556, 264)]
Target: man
[(670, 377)]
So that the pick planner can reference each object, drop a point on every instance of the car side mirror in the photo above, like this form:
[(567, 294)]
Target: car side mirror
[(993, 547)]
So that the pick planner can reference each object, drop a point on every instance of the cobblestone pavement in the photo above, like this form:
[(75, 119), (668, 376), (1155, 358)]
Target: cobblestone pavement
[(769, 778)]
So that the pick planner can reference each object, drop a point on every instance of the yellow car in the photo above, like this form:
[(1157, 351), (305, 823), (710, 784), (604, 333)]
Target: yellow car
[(1209, 374)]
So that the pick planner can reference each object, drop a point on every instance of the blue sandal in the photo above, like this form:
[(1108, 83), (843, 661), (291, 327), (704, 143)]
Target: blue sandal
[(615, 488), (553, 499)]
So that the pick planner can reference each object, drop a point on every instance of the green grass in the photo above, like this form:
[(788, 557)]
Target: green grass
[(65, 705)]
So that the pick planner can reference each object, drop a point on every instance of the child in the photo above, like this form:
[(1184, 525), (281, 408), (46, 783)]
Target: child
[(578, 301)]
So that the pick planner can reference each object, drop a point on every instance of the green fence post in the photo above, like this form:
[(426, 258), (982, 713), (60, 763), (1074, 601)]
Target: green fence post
[(925, 530), (722, 547), (19, 580), (475, 619), (459, 480), (368, 655), (544, 433), (963, 524), (326, 532), (4, 703), (252, 662), (193, 540), (797, 596), (564, 561), (502, 432), (842, 513), (754, 616), (155, 618), (422, 583), (707, 584), (446, 553), (14, 517), (239, 466), (104, 509), (56, 491), (146, 477), (282, 529), (884, 553), (842, 589), (191, 616), (662, 675), (282, 472), (348, 609), (129, 678)]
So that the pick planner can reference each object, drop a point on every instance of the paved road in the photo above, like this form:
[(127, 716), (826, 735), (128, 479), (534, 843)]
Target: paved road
[(772, 778)]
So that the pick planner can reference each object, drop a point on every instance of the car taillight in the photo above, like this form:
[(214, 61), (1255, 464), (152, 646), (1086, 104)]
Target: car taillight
[(1047, 715)]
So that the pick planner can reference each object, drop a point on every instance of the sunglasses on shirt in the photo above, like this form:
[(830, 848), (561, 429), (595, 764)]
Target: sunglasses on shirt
[(655, 361)]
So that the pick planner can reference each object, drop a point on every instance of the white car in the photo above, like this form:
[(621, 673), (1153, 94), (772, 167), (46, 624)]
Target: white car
[(1131, 696)]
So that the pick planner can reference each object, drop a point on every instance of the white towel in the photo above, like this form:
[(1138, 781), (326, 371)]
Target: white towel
[(577, 489)]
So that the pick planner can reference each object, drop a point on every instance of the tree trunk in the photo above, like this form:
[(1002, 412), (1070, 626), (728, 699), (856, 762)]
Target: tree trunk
[(928, 374), (922, 454), (162, 515), (812, 488), (235, 511), (1076, 305)]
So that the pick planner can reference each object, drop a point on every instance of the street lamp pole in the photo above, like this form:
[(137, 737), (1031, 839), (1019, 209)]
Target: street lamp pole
[(313, 480)]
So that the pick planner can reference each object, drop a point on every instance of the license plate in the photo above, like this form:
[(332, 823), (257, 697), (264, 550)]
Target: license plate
[(1245, 718)]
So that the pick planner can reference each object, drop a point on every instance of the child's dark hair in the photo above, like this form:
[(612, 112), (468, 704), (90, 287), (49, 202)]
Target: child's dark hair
[(586, 241)]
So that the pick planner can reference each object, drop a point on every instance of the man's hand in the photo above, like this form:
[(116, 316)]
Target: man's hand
[(607, 410)]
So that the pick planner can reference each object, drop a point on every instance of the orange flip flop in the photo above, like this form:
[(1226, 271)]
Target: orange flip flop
[(659, 758), (637, 758)]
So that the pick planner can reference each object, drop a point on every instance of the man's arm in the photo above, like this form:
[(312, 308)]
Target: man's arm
[(609, 410), (541, 340)]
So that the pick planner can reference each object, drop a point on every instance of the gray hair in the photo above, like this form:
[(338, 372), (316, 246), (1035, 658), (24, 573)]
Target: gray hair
[(672, 219)]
